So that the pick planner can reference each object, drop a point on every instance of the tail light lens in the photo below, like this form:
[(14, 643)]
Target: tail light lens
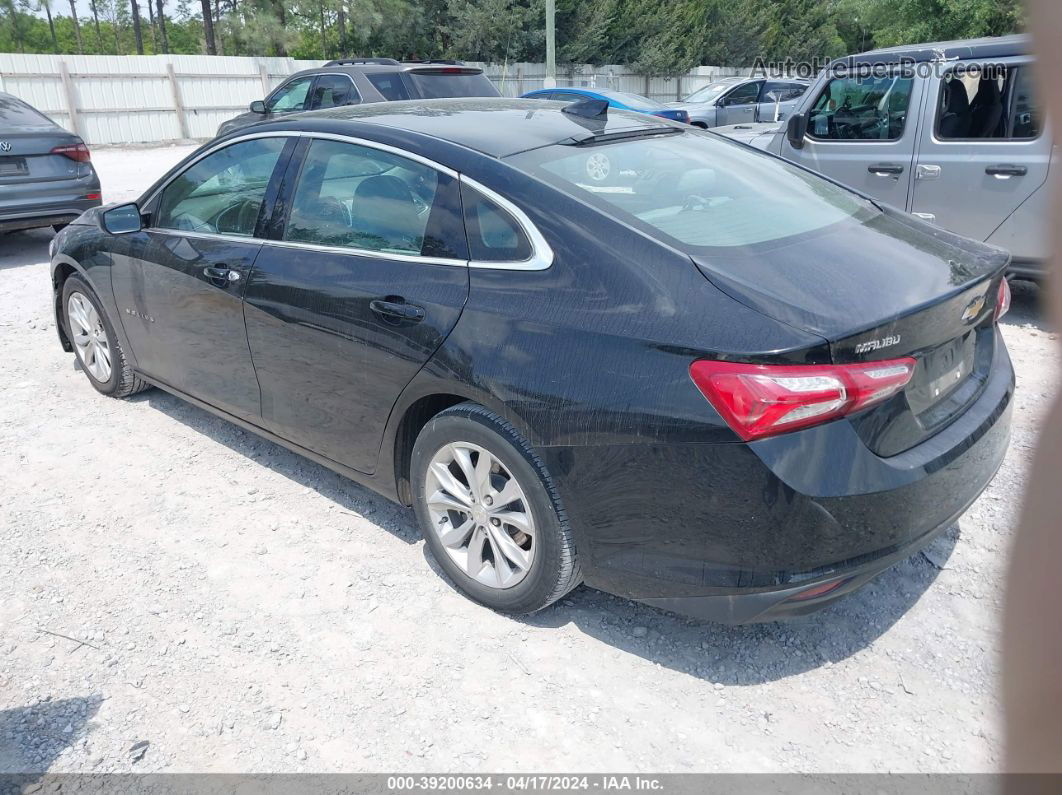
[(78, 152), (1002, 299), (759, 400)]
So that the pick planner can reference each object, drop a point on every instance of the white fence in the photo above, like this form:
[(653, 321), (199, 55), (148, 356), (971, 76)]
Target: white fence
[(116, 99)]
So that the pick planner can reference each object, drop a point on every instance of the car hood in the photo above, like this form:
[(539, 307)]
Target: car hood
[(854, 277), (237, 122), (748, 133), (691, 107)]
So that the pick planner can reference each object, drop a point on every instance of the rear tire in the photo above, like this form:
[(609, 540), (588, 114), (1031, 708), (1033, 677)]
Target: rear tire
[(96, 346), (516, 556)]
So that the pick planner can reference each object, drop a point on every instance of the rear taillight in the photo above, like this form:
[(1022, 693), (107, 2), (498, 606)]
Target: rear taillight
[(1002, 299), (78, 152), (758, 400)]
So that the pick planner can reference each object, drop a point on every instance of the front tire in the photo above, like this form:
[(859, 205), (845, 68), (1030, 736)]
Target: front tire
[(95, 344), (490, 513)]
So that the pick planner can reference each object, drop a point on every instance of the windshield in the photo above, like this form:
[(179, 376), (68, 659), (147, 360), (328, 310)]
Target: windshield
[(708, 93), (437, 85), (697, 191)]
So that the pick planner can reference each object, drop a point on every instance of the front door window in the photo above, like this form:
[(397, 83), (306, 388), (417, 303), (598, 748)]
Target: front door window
[(223, 192)]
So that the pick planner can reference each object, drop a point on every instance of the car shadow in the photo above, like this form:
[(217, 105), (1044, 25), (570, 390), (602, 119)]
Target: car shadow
[(742, 655), (753, 653), (18, 249), (345, 493), (33, 737), (1027, 305)]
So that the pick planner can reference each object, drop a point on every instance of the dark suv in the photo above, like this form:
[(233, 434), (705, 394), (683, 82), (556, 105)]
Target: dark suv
[(352, 81)]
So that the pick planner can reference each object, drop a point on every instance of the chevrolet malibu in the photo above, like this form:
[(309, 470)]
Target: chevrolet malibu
[(722, 385)]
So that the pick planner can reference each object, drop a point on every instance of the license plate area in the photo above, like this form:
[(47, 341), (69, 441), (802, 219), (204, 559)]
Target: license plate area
[(13, 167), (940, 372)]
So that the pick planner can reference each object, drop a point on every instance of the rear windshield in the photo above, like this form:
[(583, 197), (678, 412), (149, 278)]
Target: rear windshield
[(634, 101), (16, 113), (437, 85), (697, 191)]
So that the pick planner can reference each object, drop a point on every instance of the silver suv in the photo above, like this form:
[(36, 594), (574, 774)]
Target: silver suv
[(46, 178), (741, 100), (951, 132)]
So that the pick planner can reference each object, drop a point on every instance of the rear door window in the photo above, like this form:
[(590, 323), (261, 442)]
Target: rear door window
[(357, 197), (332, 91), (783, 92), (745, 94), (994, 102), (390, 85), (861, 108), (291, 96)]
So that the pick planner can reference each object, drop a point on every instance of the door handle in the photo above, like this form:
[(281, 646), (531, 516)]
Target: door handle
[(885, 170), (928, 172), (393, 309), (221, 276), (1006, 171)]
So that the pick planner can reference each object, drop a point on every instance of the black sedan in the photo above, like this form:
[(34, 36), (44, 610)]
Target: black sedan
[(721, 384)]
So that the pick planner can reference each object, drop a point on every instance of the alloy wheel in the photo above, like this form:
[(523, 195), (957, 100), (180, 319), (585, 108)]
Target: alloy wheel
[(480, 514), (89, 337)]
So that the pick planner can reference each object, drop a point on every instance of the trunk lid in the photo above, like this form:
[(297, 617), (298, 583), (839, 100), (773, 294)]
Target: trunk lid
[(27, 156), (886, 289), (27, 138)]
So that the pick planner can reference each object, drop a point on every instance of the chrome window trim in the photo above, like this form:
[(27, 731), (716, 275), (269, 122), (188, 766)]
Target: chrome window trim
[(355, 252), (303, 134), (541, 253), (541, 257)]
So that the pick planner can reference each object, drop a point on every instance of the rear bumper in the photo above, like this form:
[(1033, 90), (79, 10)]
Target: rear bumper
[(36, 220), (36, 204), (732, 532), (781, 603)]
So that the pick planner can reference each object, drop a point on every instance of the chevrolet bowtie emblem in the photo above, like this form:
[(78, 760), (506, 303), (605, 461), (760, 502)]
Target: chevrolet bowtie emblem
[(973, 309)]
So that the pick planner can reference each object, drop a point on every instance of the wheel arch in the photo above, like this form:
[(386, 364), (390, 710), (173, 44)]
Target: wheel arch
[(62, 269), (422, 401)]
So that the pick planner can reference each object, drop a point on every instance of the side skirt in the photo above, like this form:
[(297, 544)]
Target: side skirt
[(362, 479)]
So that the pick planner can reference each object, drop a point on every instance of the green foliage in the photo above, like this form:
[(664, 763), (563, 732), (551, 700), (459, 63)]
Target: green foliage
[(656, 36)]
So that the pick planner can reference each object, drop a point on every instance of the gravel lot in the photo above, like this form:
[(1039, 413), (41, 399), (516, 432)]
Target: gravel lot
[(166, 577)]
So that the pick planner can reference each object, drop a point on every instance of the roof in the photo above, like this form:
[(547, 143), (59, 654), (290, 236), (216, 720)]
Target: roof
[(492, 125), (990, 47)]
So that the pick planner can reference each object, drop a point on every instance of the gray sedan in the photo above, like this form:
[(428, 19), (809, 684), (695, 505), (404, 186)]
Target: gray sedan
[(741, 100), (46, 178)]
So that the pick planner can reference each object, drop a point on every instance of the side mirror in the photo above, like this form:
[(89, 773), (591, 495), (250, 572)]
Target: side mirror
[(258, 106), (122, 220), (796, 129)]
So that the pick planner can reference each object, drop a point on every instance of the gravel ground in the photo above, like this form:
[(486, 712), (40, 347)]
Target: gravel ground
[(168, 579)]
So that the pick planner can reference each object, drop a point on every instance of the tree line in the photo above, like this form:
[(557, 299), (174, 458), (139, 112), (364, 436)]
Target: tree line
[(653, 36)]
